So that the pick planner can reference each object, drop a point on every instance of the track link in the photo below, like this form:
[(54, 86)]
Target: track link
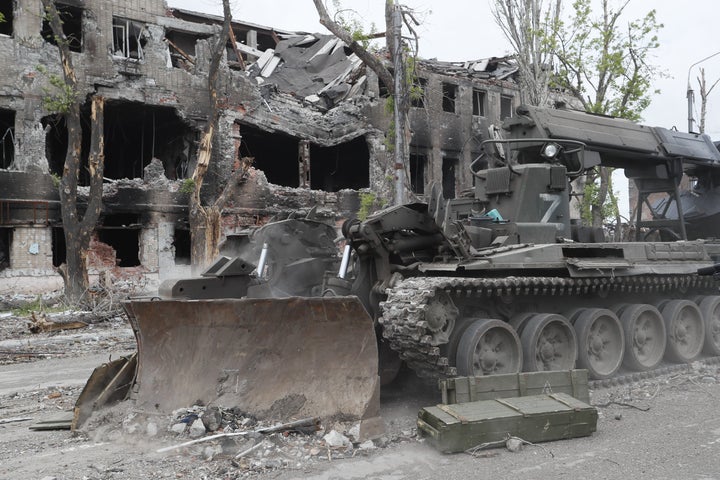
[(408, 332)]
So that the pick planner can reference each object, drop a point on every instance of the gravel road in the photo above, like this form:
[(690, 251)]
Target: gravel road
[(662, 428)]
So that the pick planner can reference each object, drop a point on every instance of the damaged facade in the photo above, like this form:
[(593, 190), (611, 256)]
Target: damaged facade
[(302, 106)]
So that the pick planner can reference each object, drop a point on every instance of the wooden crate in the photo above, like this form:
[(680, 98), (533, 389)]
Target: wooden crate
[(536, 418), (470, 389)]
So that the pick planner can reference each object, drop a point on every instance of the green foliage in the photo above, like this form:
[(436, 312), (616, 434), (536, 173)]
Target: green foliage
[(591, 199), (2, 18), (37, 306), (604, 61), (353, 25), (59, 97), (55, 179), (188, 186), (367, 205)]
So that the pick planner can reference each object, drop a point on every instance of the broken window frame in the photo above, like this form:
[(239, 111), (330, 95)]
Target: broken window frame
[(72, 26), (479, 102), (132, 35), (176, 50), (449, 97), (7, 27)]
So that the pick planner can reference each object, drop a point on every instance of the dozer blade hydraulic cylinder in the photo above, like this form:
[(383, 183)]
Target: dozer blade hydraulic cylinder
[(271, 357)]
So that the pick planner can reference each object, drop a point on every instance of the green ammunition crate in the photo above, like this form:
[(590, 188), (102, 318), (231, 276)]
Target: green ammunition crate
[(471, 389), (536, 418)]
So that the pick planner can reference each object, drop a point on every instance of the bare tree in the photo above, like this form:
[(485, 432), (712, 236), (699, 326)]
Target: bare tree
[(78, 227), (527, 24), (205, 220), (704, 94)]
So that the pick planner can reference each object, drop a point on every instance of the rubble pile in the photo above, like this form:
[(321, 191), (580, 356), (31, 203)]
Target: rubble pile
[(232, 436)]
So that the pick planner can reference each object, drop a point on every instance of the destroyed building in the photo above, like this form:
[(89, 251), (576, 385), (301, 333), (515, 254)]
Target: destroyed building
[(302, 106)]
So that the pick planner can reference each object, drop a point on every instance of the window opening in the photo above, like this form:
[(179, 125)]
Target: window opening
[(479, 100), (71, 18), (128, 38), (6, 10), (7, 137), (449, 169), (449, 91), (505, 107), (417, 172)]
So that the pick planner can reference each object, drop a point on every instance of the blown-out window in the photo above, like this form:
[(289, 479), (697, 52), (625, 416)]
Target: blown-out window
[(128, 38)]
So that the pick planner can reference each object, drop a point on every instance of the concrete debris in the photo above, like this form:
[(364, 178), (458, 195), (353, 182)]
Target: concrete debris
[(237, 436), (335, 439)]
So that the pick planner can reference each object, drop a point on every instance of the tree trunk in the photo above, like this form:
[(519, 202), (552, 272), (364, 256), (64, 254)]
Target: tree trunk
[(78, 231), (205, 221)]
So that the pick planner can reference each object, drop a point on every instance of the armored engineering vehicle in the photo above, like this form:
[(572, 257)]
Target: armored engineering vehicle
[(496, 281), (504, 279)]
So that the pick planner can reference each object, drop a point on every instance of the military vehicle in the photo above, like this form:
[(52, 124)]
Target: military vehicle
[(504, 279), (499, 280)]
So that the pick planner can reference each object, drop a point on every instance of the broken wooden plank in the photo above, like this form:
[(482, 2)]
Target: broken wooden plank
[(15, 419), (61, 421), (270, 66), (41, 324), (265, 58), (248, 50)]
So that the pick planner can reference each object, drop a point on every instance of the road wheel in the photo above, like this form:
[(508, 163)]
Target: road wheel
[(685, 330), (488, 347), (645, 337), (549, 343), (710, 309), (601, 342)]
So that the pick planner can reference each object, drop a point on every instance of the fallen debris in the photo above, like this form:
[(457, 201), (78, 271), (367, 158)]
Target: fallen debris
[(13, 420), (305, 422), (40, 323)]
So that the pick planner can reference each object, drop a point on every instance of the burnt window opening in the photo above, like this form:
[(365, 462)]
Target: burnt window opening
[(181, 246), (128, 38), (8, 15), (479, 102), (56, 144), (182, 48), (418, 163), (505, 106), (136, 133), (449, 95), (7, 137), (71, 18), (449, 172), (5, 242), (342, 166), (59, 249), (122, 233), (274, 153), (417, 93)]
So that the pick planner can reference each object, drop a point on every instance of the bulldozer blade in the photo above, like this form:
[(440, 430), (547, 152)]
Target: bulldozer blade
[(274, 358)]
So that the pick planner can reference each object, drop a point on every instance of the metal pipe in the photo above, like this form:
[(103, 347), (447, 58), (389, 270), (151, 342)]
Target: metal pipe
[(345, 261), (263, 261)]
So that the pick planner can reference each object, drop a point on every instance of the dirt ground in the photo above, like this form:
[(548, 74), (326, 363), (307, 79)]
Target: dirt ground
[(662, 428)]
